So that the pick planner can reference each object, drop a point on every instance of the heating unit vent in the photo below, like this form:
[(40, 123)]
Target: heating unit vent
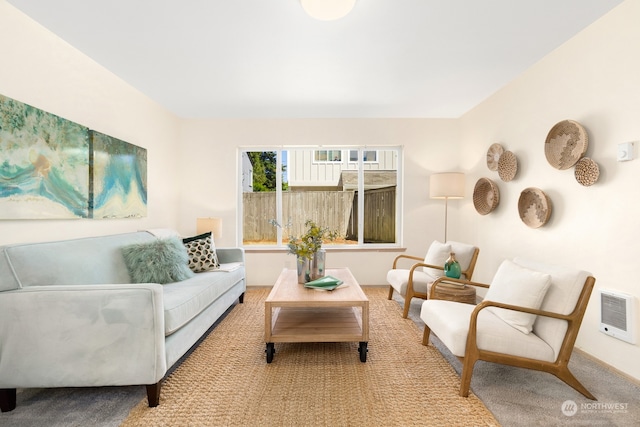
[(617, 315)]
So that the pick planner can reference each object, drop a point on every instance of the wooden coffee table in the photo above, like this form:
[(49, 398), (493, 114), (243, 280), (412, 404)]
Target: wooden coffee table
[(294, 313)]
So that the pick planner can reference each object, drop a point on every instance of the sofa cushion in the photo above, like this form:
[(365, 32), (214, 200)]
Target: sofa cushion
[(202, 252), (158, 261), (517, 285), (83, 261), (186, 299)]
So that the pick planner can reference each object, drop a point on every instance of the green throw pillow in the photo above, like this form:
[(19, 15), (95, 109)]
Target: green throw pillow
[(160, 261)]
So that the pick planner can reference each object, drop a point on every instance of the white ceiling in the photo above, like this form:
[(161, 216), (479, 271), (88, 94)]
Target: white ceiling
[(267, 58)]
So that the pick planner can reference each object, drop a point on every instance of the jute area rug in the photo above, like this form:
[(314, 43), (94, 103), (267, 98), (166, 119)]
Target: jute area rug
[(227, 382)]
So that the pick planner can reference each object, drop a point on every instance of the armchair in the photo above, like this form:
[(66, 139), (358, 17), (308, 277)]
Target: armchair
[(416, 281), (530, 318)]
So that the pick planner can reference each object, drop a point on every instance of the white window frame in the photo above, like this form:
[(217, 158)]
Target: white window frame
[(360, 245)]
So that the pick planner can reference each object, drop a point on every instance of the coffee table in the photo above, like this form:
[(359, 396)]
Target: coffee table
[(294, 313)]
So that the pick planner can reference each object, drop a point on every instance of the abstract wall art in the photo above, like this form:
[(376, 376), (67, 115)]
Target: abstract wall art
[(44, 164), (52, 168), (118, 178)]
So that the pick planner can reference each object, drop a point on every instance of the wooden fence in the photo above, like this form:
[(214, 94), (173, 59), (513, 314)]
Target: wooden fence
[(331, 209), (379, 216), (336, 210)]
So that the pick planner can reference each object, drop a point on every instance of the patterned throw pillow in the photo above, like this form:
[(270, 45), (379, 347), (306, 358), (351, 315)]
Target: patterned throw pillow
[(158, 261), (202, 253)]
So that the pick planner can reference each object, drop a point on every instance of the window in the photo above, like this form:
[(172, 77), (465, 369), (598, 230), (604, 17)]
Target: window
[(358, 199), (368, 156), (328, 155)]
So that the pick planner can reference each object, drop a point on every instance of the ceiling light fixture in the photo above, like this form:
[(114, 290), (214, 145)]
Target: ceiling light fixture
[(327, 10)]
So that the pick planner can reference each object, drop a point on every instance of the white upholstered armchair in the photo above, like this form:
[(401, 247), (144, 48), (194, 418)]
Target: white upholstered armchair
[(530, 317), (415, 281)]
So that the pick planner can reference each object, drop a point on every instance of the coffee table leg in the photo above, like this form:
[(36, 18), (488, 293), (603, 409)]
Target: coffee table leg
[(270, 350), (363, 351)]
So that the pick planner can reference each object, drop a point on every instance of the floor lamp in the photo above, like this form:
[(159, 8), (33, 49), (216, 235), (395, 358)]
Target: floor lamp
[(448, 185)]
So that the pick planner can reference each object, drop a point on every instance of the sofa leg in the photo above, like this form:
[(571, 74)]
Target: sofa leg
[(241, 298), (153, 394), (7, 399)]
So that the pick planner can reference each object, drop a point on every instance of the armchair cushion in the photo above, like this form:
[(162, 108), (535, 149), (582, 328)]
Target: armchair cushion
[(464, 254), (517, 285), (399, 279), (566, 285), (450, 322), (437, 254)]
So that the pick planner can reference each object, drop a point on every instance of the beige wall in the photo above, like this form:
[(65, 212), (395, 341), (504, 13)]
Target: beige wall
[(593, 79), (430, 146), (40, 69)]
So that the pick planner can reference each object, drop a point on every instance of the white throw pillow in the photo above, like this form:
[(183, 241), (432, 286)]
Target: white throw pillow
[(437, 254), (519, 286)]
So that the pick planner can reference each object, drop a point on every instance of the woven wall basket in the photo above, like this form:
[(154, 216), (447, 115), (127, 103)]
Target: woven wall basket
[(587, 171), (507, 166), (486, 196), (493, 156), (566, 143), (534, 207)]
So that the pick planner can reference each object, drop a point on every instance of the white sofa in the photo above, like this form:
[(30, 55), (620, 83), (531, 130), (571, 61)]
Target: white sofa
[(70, 316)]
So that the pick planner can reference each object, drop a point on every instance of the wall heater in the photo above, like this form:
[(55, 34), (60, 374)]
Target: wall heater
[(617, 315)]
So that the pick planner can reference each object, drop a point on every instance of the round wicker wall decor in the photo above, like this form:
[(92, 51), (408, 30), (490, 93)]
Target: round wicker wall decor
[(486, 196), (534, 207), (507, 166), (566, 143), (587, 171), (493, 155)]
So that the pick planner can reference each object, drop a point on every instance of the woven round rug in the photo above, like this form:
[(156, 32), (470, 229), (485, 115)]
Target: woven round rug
[(227, 382)]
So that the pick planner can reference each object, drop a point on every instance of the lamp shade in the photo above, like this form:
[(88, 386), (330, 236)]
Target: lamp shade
[(214, 225), (448, 185), (327, 10)]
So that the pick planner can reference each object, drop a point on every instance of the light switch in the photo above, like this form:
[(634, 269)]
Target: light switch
[(625, 151)]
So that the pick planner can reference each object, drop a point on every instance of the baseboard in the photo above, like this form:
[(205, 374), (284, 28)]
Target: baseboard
[(608, 367)]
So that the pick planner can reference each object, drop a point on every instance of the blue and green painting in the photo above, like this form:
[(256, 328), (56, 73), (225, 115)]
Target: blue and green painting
[(44, 164), (118, 178)]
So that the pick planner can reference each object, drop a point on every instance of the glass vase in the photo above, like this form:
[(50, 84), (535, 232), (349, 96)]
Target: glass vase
[(304, 270), (317, 264), (452, 267)]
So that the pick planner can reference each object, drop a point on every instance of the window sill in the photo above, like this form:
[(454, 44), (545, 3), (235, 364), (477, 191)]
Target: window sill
[(344, 249)]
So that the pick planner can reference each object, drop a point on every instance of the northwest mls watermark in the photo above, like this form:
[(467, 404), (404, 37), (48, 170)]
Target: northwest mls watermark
[(570, 408)]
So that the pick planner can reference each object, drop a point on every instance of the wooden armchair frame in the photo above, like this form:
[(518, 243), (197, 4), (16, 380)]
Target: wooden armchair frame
[(559, 367), (411, 293)]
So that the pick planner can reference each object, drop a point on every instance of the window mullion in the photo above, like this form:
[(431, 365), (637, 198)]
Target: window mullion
[(360, 197), (279, 196)]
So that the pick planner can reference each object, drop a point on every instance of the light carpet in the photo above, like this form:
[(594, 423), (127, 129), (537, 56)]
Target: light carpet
[(227, 382)]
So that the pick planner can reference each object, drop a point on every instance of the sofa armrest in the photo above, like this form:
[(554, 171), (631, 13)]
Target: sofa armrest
[(82, 335), (229, 255)]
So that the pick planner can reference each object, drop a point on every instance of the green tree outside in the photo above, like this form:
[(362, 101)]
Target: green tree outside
[(264, 171)]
